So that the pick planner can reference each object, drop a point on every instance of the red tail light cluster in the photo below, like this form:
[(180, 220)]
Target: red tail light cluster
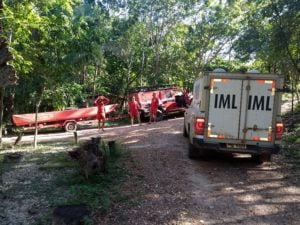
[(279, 131), (199, 125)]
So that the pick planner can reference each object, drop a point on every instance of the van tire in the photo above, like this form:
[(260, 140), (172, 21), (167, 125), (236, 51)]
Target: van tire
[(260, 159), (193, 151), (70, 126), (185, 133)]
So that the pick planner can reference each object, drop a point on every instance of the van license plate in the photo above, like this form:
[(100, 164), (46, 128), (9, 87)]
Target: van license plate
[(239, 146)]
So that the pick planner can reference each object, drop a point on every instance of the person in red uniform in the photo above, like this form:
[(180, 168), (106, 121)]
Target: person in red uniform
[(101, 101), (153, 107), (134, 107)]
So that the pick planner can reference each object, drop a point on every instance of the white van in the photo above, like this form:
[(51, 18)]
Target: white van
[(235, 113)]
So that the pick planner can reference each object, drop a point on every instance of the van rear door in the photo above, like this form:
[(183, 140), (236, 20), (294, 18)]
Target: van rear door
[(257, 110), (224, 108)]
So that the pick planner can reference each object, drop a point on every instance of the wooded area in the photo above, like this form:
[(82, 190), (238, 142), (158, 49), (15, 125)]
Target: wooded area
[(66, 52)]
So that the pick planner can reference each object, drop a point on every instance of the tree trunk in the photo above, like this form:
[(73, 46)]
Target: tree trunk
[(37, 106), (1, 112), (11, 102), (142, 69), (94, 80), (156, 63), (83, 82), (5, 55), (293, 100)]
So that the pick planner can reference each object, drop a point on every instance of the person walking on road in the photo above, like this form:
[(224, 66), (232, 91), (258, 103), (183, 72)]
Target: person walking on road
[(134, 107), (153, 108), (101, 101)]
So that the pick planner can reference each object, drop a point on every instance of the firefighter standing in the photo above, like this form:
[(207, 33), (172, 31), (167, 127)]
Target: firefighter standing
[(153, 108), (101, 101), (134, 110)]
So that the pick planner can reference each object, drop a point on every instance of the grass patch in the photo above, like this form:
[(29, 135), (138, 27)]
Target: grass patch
[(100, 190), (117, 123), (59, 160), (5, 146), (3, 166), (57, 179)]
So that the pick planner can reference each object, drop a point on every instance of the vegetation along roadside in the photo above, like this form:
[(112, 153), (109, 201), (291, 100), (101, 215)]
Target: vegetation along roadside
[(37, 181)]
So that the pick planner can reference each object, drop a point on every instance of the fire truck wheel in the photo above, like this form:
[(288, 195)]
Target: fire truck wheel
[(70, 126), (159, 116), (143, 117)]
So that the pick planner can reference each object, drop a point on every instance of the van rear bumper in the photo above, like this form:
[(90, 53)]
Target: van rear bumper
[(250, 149)]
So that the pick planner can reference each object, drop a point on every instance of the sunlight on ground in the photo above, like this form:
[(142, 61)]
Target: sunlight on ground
[(131, 141), (266, 209), (249, 197)]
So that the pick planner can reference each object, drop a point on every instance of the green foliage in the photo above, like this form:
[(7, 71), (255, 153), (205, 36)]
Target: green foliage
[(292, 142), (270, 36), (68, 52)]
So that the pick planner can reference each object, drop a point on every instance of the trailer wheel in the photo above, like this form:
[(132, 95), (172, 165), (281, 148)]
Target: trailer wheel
[(70, 126)]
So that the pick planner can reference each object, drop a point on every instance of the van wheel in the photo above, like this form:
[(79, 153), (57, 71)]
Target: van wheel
[(260, 159), (193, 151), (185, 133), (70, 126)]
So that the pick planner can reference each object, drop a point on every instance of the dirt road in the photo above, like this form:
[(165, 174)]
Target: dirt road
[(165, 187)]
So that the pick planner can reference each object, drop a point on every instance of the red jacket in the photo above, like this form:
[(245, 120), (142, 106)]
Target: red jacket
[(133, 106), (101, 101), (154, 103)]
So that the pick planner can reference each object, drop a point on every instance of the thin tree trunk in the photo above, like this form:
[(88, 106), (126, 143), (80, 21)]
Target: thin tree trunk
[(94, 80), (83, 82), (37, 106), (293, 100), (142, 69), (156, 63), (2, 92), (11, 102)]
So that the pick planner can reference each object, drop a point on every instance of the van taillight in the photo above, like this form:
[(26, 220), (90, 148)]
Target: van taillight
[(279, 131), (199, 125)]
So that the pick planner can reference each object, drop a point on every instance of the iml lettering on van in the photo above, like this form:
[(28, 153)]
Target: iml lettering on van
[(255, 102)]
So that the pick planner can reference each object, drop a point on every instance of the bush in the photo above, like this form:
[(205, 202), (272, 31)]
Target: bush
[(292, 142)]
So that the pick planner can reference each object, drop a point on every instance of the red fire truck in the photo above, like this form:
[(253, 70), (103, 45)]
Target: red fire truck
[(172, 100)]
